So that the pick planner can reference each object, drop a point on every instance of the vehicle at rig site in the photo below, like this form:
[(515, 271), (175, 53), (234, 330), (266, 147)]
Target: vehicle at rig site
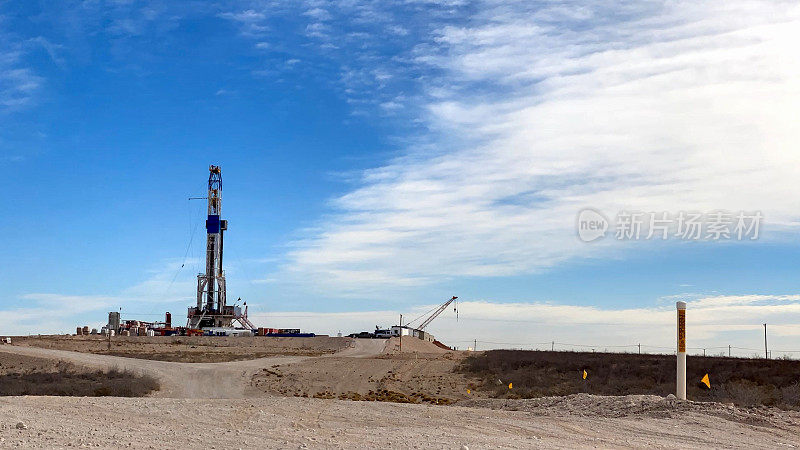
[(383, 334)]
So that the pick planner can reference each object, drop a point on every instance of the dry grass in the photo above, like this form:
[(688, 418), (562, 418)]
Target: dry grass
[(745, 382), (200, 349), (68, 381)]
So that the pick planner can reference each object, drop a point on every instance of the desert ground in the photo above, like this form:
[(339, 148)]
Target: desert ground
[(250, 400), (187, 348)]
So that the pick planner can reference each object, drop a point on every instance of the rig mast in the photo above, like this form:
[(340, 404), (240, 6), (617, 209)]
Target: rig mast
[(212, 309)]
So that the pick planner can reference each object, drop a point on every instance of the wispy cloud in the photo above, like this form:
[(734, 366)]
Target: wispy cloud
[(533, 112), (64, 31), (167, 286), (19, 83), (251, 23), (713, 323), (362, 48)]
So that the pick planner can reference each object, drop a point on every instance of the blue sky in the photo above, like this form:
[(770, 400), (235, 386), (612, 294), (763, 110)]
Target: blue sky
[(379, 157)]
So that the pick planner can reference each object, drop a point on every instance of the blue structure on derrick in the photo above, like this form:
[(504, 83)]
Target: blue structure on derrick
[(212, 309)]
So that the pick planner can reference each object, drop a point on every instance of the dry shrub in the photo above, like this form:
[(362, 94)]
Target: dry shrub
[(790, 395), (68, 381), (541, 373), (385, 395), (746, 393)]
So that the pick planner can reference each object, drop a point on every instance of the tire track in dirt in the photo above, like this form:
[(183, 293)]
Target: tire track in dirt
[(193, 380)]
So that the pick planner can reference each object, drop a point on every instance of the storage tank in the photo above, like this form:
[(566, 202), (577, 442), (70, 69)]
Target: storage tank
[(113, 320), (85, 331)]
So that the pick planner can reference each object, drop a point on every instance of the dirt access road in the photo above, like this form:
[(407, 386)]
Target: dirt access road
[(194, 380), (189, 420)]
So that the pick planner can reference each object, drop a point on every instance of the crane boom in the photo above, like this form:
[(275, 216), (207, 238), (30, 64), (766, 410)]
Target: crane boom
[(436, 313)]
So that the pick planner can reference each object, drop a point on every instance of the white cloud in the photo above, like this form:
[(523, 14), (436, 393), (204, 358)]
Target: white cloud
[(361, 38), (166, 287), (18, 83), (713, 323), (53, 50), (318, 14), (251, 23), (247, 16), (538, 113)]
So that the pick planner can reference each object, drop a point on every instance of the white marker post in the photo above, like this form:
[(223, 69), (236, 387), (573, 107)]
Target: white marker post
[(681, 380)]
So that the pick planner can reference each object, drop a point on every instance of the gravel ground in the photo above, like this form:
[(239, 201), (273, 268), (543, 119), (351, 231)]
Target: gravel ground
[(280, 422)]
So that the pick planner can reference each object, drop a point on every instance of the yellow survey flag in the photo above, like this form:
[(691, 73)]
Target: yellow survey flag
[(584, 374), (467, 391), (706, 381), (510, 385)]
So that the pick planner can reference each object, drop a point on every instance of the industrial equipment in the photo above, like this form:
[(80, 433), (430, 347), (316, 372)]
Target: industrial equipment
[(113, 321), (439, 311), (212, 309)]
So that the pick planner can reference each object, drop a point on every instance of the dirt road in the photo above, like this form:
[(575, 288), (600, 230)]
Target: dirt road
[(193, 380)]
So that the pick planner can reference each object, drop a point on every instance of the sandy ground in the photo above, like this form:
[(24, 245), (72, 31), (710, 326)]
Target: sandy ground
[(421, 368), (182, 415)]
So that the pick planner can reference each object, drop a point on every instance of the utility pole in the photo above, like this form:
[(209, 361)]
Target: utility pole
[(475, 346), (766, 352), (553, 346), (704, 352), (640, 348), (401, 333), (729, 350)]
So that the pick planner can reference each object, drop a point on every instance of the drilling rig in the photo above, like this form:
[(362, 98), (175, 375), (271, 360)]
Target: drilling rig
[(212, 309)]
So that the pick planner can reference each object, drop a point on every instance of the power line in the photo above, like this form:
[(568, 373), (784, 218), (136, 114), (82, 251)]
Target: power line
[(185, 254), (552, 344)]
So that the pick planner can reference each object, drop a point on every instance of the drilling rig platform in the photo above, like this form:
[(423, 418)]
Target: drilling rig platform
[(212, 310)]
